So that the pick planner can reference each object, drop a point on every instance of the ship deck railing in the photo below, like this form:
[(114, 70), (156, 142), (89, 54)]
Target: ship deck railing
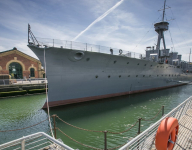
[(36, 141), (44, 42), (146, 140)]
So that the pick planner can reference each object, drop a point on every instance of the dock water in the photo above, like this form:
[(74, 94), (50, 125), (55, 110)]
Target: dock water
[(118, 113)]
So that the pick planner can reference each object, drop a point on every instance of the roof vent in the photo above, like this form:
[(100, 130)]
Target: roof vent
[(14, 48)]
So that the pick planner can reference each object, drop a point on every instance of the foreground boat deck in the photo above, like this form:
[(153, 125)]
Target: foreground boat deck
[(184, 138)]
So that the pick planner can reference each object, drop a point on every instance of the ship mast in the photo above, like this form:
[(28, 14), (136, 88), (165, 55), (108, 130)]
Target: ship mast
[(163, 11), (160, 27)]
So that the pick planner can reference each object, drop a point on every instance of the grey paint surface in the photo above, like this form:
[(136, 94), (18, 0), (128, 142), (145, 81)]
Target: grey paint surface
[(69, 78)]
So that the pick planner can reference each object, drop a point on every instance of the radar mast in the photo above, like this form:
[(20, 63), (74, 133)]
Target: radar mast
[(160, 27)]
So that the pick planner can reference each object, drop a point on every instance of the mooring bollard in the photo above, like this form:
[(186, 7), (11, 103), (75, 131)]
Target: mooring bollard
[(105, 140), (139, 129), (162, 110)]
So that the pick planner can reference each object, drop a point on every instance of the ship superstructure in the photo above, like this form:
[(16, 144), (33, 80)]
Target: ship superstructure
[(78, 72)]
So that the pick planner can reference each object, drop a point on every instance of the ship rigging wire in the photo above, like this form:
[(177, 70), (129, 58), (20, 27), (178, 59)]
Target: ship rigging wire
[(146, 33), (47, 96), (171, 38), (178, 26)]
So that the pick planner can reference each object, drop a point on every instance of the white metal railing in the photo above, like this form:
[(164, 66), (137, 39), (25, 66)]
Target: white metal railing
[(23, 81), (145, 140), (86, 47), (35, 141)]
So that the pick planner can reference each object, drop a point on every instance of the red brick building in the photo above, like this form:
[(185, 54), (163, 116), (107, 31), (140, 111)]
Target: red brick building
[(20, 65)]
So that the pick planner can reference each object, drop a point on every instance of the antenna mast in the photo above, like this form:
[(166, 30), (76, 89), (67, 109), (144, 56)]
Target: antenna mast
[(164, 11)]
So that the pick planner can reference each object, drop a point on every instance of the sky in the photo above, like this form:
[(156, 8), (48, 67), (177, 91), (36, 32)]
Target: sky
[(129, 26)]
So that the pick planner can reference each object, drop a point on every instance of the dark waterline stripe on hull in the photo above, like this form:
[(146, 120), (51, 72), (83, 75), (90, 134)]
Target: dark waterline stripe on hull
[(78, 100)]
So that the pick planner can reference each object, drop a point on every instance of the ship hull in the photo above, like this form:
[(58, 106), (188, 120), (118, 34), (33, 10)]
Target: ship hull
[(77, 76)]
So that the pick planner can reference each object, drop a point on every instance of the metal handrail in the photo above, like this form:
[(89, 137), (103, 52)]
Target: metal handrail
[(33, 136), (140, 136), (44, 42)]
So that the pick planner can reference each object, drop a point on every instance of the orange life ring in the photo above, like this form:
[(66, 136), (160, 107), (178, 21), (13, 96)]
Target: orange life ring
[(167, 134)]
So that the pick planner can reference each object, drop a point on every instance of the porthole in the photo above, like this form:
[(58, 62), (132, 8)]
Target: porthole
[(88, 59), (157, 75), (149, 75), (78, 55), (138, 64), (145, 64), (151, 65), (143, 75), (109, 76), (96, 76), (115, 61), (157, 66), (128, 75), (119, 76), (127, 62), (136, 75), (162, 75), (169, 74)]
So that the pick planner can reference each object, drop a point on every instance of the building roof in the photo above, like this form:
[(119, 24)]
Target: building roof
[(15, 50)]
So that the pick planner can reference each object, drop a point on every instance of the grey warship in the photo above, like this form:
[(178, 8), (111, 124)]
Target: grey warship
[(79, 72)]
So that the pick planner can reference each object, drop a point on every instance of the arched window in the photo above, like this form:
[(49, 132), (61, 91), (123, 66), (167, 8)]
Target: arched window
[(15, 70), (32, 72)]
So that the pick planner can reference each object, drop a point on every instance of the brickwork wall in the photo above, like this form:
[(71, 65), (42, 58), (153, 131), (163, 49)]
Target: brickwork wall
[(25, 62)]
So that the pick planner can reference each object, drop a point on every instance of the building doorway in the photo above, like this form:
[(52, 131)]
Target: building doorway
[(16, 71)]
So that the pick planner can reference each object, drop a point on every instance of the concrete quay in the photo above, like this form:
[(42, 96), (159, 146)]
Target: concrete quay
[(21, 87)]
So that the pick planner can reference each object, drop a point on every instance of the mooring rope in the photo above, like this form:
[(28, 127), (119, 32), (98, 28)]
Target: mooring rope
[(47, 95), (77, 141), (76, 126), (124, 130), (153, 117), (88, 145)]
